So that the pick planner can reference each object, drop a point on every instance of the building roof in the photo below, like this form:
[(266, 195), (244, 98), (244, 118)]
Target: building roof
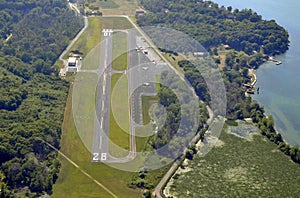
[(199, 53), (226, 46), (72, 60), (140, 10)]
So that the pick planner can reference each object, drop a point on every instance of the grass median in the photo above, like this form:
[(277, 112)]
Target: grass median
[(120, 55), (119, 117)]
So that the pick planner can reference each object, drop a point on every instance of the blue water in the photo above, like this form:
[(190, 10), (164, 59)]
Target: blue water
[(279, 85)]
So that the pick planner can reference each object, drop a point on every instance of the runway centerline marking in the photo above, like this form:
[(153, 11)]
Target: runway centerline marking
[(100, 143), (101, 124)]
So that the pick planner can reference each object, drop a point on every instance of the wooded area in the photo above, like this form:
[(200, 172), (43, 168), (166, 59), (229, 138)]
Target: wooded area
[(211, 25), (32, 35)]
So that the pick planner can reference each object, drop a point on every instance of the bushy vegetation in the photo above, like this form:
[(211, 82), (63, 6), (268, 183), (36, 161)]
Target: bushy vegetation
[(238, 167), (32, 97)]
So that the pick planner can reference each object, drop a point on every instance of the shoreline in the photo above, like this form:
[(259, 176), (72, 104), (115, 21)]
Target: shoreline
[(277, 130), (165, 190), (250, 87), (278, 139)]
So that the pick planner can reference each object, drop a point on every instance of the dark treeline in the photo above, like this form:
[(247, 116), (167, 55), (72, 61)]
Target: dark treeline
[(32, 35), (211, 25), (233, 81)]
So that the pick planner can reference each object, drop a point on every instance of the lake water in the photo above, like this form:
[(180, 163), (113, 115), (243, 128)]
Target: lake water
[(279, 85)]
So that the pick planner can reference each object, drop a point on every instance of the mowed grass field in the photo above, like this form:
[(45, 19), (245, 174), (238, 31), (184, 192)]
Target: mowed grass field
[(90, 38), (115, 7), (90, 42), (239, 168), (120, 23), (93, 34), (174, 61), (119, 116), (147, 101), (71, 182), (119, 51), (83, 108), (104, 4), (141, 141)]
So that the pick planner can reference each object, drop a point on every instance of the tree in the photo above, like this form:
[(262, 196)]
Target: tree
[(293, 152), (210, 26), (215, 51), (189, 154), (217, 60), (41, 30), (147, 194)]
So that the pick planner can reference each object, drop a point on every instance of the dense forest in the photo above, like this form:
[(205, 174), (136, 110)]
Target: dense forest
[(211, 25), (32, 35)]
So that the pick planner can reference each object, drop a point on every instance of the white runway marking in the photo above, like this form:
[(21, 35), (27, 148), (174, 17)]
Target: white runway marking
[(104, 84), (101, 124), (100, 143)]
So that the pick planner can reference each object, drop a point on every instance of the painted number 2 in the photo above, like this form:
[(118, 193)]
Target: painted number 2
[(95, 156)]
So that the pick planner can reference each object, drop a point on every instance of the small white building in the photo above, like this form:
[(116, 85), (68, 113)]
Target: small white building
[(139, 11), (199, 54), (62, 72), (72, 62)]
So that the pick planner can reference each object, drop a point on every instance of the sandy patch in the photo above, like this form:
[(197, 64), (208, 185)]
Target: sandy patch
[(244, 130)]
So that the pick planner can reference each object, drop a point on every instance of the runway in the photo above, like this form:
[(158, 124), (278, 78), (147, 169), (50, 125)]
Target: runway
[(141, 74), (102, 118)]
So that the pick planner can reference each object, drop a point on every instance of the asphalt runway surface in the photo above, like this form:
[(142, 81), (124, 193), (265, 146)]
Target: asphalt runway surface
[(141, 74), (100, 147)]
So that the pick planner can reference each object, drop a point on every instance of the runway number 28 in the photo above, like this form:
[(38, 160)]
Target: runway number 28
[(96, 156)]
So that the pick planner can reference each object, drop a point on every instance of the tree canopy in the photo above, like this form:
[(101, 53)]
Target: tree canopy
[(211, 25), (32, 35)]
